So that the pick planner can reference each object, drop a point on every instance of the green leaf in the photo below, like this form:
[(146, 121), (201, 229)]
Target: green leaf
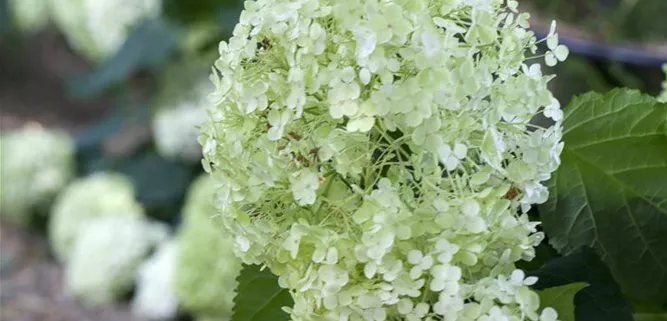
[(648, 308), (147, 46), (561, 298), (160, 183), (191, 11), (259, 297), (650, 317), (602, 300), (609, 192), (90, 152)]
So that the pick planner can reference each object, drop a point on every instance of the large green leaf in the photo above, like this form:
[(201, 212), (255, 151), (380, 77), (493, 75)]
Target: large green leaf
[(610, 191), (259, 297), (561, 298), (602, 300)]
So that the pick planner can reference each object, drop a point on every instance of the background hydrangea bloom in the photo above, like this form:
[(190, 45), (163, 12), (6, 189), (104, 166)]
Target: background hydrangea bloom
[(206, 268), (97, 28), (176, 128), (99, 195), (35, 165), (379, 157), (29, 15), (155, 298), (106, 254)]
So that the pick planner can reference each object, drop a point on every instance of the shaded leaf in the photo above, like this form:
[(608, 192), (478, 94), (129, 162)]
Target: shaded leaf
[(147, 46), (259, 297), (610, 192), (561, 298), (159, 182), (602, 300), (228, 16), (90, 142), (112, 123), (543, 254), (189, 11), (5, 20), (651, 317)]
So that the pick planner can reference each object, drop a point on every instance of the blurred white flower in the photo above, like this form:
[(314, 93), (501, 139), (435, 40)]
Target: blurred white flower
[(99, 195), (206, 268), (105, 257), (155, 298), (176, 128), (35, 165), (29, 15), (97, 28)]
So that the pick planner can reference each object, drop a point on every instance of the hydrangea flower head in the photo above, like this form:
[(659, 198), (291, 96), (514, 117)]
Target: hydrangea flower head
[(378, 156), (35, 164), (206, 267), (98, 195), (155, 298), (97, 28), (106, 255)]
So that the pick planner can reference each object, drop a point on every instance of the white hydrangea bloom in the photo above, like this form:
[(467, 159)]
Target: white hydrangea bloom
[(378, 155), (98, 195), (155, 298), (106, 255), (97, 28), (663, 96), (35, 164), (176, 128), (206, 268), (29, 15)]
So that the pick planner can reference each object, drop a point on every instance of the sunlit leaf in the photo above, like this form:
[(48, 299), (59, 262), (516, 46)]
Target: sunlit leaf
[(259, 297), (561, 298)]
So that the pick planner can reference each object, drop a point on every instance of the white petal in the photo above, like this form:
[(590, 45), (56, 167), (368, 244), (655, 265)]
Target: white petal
[(366, 42), (561, 52), (552, 41)]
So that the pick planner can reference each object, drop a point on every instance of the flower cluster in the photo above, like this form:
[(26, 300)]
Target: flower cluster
[(29, 15), (35, 165), (663, 96), (99, 195), (106, 255), (175, 128), (379, 156), (97, 28), (206, 267), (155, 298)]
